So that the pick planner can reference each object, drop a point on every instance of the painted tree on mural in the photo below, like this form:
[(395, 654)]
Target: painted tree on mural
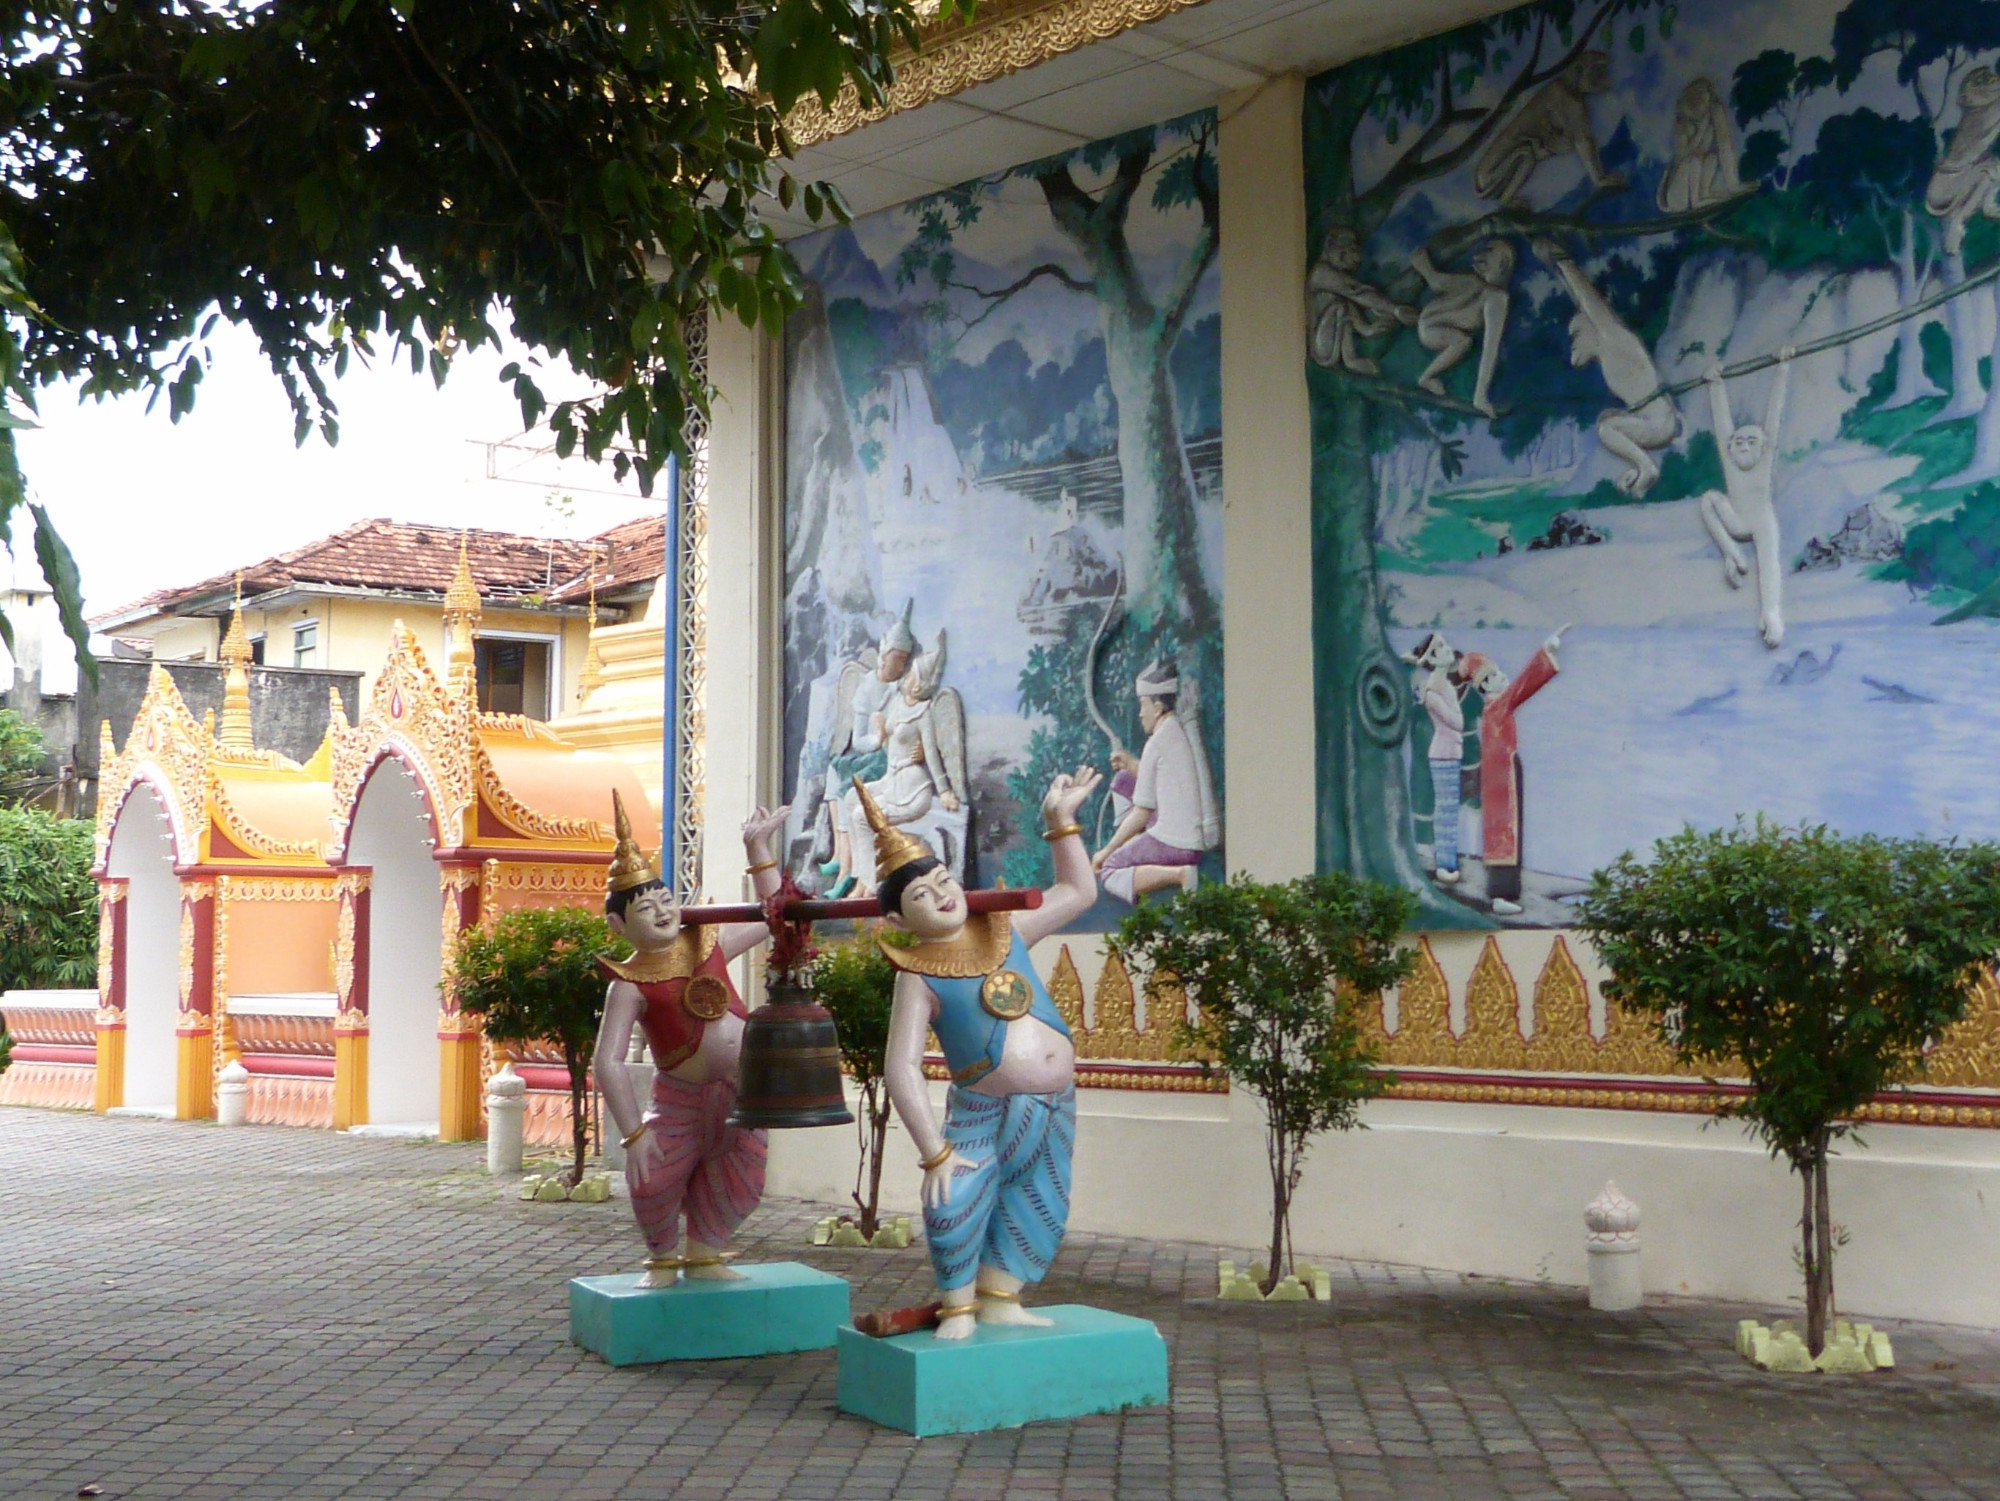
[(1425, 93), (1163, 572)]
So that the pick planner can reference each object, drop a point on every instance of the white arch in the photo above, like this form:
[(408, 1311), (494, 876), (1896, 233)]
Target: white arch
[(142, 855), (390, 834)]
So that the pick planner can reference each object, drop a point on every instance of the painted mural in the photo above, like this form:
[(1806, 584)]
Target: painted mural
[(1003, 528), (1656, 436)]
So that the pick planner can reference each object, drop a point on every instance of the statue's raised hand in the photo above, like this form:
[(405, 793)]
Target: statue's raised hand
[(763, 823), (1067, 793)]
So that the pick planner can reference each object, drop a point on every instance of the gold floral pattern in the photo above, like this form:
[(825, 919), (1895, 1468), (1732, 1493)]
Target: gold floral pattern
[(957, 57)]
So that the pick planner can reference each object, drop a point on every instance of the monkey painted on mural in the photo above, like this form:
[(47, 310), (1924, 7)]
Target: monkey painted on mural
[(1648, 421), (1467, 306), (1703, 169), (1967, 179), (1342, 308), (1555, 122)]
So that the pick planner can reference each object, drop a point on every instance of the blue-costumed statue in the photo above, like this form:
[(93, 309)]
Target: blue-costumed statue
[(997, 1174)]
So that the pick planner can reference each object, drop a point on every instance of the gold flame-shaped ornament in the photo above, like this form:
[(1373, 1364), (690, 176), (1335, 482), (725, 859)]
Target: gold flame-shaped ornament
[(893, 848), (629, 865)]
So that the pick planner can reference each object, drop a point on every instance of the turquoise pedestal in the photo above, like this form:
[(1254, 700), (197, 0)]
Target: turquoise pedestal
[(1087, 1361), (777, 1307)]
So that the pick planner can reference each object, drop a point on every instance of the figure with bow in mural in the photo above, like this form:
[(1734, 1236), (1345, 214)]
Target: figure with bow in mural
[(683, 1160), (1165, 796), (997, 1172)]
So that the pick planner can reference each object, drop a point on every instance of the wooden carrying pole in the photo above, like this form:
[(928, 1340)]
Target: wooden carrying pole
[(853, 907)]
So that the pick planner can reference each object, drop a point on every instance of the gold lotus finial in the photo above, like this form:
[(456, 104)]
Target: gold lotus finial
[(893, 848), (629, 865)]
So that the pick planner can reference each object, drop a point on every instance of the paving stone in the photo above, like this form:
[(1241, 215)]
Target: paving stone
[(271, 1313)]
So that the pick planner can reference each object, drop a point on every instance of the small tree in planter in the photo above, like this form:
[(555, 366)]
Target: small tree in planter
[(1825, 964), (532, 974), (857, 985), (1274, 971)]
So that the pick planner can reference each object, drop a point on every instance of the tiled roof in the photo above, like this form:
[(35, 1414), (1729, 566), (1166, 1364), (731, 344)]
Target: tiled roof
[(632, 553), (398, 557)]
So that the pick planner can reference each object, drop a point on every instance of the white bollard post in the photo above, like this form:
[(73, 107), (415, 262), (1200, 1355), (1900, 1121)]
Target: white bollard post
[(1612, 1222), (506, 1104), (232, 1094)]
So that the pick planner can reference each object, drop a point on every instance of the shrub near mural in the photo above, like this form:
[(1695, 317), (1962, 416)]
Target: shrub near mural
[(1656, 439), (1003, 522)]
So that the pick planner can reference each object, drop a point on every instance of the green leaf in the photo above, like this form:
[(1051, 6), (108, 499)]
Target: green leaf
[(59, 568)]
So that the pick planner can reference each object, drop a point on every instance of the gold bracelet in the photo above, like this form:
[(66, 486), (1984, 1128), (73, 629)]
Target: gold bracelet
[(634, 1134), (994, 1295), (763, 865), (1064, 832), (943, 1156)]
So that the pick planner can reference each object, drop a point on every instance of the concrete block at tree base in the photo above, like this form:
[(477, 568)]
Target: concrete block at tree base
[(773, 1308), (1851, 1349), (1087, 1361)]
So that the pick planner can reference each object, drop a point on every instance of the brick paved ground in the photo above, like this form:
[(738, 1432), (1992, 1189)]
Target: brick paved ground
[(269, 1314)]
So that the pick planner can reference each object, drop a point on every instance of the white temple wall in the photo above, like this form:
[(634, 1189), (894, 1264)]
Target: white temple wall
[(405, 918), (142, 854), (1491, 1189)]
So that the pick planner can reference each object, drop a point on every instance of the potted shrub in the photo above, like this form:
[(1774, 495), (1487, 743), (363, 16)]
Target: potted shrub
[(1825, 965), (532, 975), (1275, 973), (857, 986)]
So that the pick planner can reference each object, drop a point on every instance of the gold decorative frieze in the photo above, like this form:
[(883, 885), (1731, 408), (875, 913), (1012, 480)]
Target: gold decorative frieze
[(1114, 1050), (957, 56), (508, 886), (348, 882), (281, 889), (350, 1021), (189, 1022), (1557, 1055)]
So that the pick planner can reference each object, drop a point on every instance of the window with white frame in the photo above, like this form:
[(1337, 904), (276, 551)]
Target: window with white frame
[(305, 644)]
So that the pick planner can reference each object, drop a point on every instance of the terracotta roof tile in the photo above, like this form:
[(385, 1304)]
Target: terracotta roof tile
[(634, 552), (402, 557)]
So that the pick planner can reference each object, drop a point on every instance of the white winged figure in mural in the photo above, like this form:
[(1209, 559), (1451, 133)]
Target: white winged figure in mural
[(922, 786)]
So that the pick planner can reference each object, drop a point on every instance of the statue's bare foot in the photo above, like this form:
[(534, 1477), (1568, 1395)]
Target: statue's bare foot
[(713, 1274), (660, 1276), (705, 1264), (1009, 1311), (957, 1323)]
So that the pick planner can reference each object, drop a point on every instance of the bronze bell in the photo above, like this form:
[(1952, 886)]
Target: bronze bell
[(790, 1065)]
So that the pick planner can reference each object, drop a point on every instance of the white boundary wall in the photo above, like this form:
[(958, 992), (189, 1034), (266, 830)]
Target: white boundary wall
[(1498, 1190)]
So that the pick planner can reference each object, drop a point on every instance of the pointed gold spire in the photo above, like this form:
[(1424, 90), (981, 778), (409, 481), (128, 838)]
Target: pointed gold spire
[(235, 654), (592, 677), (893, 848), (461, 619), (629, 865)]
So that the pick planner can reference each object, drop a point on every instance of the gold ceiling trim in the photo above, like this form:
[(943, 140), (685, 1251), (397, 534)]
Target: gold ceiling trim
[(956, 58)]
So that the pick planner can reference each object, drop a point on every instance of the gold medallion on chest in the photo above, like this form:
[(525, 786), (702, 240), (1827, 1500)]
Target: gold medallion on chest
[(706, 997), (1006, 995)]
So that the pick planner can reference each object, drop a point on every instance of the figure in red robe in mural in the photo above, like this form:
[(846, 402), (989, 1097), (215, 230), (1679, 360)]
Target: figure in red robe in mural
[(1500, 766)]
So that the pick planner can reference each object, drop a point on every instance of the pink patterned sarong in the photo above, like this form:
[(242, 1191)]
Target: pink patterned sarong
[(713, 1168)]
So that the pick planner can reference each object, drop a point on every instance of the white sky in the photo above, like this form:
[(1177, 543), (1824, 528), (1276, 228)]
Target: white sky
[(146, 503)]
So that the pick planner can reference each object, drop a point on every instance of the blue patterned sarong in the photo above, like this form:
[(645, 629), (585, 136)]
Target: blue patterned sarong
[(1009, 1210)]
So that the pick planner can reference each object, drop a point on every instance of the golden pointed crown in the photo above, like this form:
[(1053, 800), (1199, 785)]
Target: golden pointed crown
[(893, 848), (462, 598), (629, 865)]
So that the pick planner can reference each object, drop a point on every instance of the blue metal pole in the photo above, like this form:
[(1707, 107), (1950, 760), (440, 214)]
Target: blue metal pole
[(670, 780)]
